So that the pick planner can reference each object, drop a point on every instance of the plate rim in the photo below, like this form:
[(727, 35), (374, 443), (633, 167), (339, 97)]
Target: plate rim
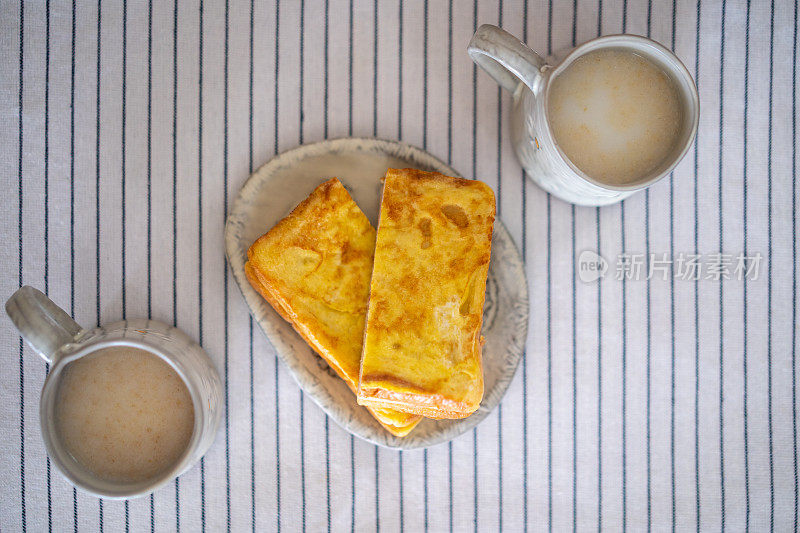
[(254, 301)]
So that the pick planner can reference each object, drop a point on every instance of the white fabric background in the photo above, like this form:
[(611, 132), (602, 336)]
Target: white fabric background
[(660, 404)]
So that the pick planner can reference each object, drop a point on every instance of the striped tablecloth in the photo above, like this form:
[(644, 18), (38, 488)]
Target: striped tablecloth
[(661, 403)]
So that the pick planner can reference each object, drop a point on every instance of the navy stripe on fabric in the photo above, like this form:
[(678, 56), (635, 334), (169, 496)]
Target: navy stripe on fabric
[(499, 212), (549, 320), (696, 290), (122, 150), (599, 344), (200, 236), (648, 350), (350, 70), (574, 381), (123, 212), (649, 344), (71, 213), (97, 205), (549, 371), (400, 72), (252, 426), (374, 68), (325, 62), (574, 346), (149, 158), (19, 252), (97, 175), (523, 186), (721, 313), (573, 304), (302, 394), (250, 317), (350, 133), (624, 16), (673, 510), (277, 381), (325, 136), (47, 221), (151, 498), (599, 384), (624, 378), (769, 273), (794, 263), (744, 281), (174, 234), (352, 485), (624, 343), (226, 362)]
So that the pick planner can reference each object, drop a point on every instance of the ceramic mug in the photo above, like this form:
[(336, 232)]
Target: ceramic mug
[(528, 77), (53, 334)]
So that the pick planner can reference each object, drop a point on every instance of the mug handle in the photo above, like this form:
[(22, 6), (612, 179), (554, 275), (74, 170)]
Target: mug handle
[(44, 325), (505, 58)]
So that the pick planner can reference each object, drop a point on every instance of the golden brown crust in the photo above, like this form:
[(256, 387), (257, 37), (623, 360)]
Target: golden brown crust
[(313, 267), (422, 342)]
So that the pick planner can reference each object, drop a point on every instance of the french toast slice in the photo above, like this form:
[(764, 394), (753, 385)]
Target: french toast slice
[(422, 340), (314, 268)]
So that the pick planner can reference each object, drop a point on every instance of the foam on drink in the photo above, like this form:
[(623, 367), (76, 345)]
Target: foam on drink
[(615, 115), (124, 414)]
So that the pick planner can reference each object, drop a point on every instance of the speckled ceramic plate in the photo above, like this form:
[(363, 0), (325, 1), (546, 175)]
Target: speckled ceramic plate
[(278, 186)]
